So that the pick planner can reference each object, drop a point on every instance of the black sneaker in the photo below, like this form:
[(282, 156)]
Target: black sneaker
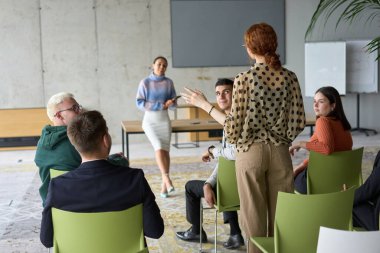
[(190, 236), (234, 242)]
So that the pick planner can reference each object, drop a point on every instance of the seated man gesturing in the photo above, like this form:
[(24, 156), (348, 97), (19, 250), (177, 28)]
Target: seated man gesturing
[(197, 189)]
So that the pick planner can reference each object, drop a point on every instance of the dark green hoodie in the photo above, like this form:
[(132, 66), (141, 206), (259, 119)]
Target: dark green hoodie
[(54, 150)]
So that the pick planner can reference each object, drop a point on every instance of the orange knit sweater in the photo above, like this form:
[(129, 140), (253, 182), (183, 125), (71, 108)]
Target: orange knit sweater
[(329, 137)]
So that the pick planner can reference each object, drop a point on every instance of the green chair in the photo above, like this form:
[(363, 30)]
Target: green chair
[(55, 173), (298, 218), (116, 232), (227, 195), (328, 173)]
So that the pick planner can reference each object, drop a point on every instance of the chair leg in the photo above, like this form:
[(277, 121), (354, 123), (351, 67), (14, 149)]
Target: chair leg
[(200, 226), (216, 228), (248, 239)]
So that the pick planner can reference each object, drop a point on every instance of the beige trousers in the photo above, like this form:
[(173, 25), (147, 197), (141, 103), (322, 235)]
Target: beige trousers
[(262, 171)]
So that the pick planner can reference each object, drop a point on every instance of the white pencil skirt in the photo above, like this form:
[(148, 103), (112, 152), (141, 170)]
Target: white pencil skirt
[(158, 129)]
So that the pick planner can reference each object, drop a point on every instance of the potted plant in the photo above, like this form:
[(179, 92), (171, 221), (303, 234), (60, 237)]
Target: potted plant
[(351, 10)]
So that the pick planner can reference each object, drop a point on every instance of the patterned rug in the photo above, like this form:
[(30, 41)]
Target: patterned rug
[(20, 219), (173, 208)]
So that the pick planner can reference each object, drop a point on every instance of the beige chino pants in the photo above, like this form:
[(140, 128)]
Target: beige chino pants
[(261, 172)]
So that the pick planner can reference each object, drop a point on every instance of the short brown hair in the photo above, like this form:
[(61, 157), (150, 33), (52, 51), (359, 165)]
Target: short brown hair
[(86, 131), (261, 39), (224, 81)]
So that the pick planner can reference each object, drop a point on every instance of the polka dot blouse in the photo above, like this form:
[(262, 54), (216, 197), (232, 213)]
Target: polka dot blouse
[(267, 107)]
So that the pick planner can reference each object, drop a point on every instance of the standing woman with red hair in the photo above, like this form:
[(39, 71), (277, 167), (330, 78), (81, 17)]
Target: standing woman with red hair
[(266, 116)]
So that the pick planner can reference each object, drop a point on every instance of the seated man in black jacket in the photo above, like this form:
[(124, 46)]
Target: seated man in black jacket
[(97, 185), (367, 200)]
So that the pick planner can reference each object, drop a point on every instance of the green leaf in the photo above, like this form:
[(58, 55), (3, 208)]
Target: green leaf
[(350, 11), (374, 46)]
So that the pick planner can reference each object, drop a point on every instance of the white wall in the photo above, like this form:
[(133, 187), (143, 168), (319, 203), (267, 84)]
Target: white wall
[(101, 49), (21, 82)]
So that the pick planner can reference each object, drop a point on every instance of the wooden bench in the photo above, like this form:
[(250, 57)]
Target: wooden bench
[(21, 127)]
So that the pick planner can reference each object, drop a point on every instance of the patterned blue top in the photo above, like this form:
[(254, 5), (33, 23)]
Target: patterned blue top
[(153, 92)]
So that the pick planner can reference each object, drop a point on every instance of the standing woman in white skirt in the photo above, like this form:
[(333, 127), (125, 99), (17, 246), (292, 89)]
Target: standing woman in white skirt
[(155, 95)]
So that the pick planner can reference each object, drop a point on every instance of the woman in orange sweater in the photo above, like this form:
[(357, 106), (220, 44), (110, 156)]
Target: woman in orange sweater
[(332, 132)]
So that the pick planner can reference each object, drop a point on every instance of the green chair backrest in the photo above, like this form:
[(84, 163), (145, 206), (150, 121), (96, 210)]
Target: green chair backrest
[(298, 218), (116, 232), (328, 173), (227, 196), (55, 173)]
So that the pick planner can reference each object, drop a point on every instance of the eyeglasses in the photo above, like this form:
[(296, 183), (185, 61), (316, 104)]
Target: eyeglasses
[(75, 108)]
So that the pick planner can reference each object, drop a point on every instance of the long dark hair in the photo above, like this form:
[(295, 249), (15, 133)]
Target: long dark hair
[(334, 98), (160, 57)]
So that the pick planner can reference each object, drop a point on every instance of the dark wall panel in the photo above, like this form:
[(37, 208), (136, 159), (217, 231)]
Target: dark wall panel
[(210, 33)]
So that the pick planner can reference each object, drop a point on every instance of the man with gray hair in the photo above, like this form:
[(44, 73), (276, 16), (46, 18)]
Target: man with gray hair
[(54, 150)]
